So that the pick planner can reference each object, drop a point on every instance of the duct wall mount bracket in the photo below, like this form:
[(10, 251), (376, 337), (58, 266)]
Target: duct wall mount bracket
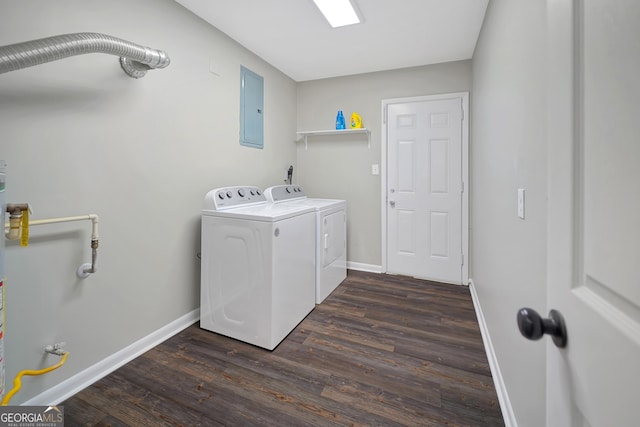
[(133, 68)]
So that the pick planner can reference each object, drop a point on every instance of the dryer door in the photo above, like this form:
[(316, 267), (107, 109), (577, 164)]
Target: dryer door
[(334, 235)]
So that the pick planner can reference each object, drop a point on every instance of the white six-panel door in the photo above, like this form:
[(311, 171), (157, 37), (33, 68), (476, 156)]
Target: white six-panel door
[(594, 199), (424, 189)]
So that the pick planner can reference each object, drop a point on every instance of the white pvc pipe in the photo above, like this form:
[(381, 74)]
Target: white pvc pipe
[(85, 269), (90, 217)]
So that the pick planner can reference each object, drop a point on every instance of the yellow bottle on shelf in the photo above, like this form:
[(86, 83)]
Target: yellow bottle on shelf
[(356, 121)]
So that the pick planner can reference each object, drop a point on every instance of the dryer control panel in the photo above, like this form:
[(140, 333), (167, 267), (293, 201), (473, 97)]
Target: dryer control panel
[(281, 193), (230, 197)]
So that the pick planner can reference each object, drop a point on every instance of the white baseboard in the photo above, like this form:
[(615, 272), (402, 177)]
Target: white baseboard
[(498, 381), (81, 380), (364, 267)]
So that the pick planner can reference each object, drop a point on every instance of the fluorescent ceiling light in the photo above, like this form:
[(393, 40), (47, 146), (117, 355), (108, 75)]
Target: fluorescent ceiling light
[(338, 12)]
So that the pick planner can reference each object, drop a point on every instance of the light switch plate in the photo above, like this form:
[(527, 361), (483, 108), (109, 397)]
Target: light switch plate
[(375, 170), (521, 203)]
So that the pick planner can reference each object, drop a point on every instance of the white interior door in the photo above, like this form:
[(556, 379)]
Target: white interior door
[(424, 192), (594, 228)]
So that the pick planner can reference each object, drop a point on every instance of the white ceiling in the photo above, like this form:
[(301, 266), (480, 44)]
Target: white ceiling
[(293, 36)]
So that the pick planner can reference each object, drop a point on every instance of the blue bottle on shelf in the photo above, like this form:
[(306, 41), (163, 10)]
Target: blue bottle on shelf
[(340, 120)]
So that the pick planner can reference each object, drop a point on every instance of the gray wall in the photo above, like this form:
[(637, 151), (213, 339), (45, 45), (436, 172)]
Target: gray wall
[(340, 166), (79, 136), (507, 152)]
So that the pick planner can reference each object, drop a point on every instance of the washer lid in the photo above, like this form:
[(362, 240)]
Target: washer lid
[(269, 212)]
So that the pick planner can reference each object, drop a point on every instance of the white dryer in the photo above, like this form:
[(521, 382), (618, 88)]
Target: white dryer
[(258, 266), (331, 234)]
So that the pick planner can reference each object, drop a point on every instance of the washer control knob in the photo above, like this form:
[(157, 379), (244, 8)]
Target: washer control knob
[(288, 189), (253, 193), (221, 195), (258, 192), (229, 194), (241, 192)]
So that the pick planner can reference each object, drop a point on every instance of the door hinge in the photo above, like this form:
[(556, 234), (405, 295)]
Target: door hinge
[(462, 187), (462, 257)]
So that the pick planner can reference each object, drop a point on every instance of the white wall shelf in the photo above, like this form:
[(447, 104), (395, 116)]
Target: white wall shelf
[(306, 134)]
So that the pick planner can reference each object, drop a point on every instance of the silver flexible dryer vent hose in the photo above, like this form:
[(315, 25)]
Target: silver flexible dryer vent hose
[(134, 59)]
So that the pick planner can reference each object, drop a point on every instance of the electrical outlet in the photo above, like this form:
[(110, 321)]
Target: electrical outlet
[(521, 203)]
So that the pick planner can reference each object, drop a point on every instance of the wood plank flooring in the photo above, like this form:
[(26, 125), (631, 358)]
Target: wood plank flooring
[(381, 350)]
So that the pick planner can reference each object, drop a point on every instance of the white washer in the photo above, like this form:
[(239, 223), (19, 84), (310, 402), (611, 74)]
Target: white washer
[(258, 266), (331, 234)]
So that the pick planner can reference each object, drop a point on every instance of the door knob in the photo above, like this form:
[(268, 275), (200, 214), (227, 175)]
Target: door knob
[(532, 326), (392, 203)]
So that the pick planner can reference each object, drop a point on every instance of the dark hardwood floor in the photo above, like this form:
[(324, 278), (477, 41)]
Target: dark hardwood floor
[(379, 351)]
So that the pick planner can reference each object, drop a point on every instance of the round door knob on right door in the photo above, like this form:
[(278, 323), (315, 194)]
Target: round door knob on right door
[(532, 326)]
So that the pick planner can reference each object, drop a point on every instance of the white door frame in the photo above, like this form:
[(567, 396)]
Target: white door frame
[(464, 97)]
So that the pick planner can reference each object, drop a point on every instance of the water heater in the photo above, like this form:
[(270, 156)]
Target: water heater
[(3, 208)]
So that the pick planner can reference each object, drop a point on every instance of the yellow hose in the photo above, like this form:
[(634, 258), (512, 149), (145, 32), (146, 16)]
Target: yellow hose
[(17, 381)]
